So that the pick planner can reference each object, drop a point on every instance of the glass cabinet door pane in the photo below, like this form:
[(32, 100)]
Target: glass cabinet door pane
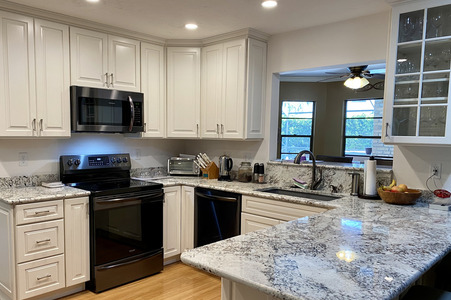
[(404, 121), (432, 120), (411, 26), (437, 55), (435, 88), (438, 22), (408, 59), (406, 90)]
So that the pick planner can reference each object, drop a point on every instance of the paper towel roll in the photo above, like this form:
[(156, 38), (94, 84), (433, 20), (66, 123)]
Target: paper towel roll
[(369, 177)]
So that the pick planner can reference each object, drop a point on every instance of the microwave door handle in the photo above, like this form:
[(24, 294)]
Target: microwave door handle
[(132, 113)]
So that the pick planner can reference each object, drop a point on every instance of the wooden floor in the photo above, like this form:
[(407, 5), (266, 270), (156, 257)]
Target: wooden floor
[(177, 281)]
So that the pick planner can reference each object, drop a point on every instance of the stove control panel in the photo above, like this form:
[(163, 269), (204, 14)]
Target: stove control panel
[(94, 161)]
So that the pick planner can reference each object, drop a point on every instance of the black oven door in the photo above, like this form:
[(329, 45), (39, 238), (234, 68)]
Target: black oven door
[(126, 225)]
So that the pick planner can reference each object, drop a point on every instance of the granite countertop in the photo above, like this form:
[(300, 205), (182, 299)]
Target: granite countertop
[(20, 195), (359, 249)]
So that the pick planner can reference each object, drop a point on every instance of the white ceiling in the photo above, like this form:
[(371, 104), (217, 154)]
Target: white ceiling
[(166, 18)]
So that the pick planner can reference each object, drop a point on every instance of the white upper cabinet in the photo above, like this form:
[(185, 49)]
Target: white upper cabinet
[(34, 76), (17, 76), (233, 89), (153, 86), (183, 92), (104, 61), (52, 78), (417, 109)]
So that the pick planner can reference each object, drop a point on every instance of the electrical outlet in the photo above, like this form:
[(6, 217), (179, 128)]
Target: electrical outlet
[(23, 159), (436, 169)]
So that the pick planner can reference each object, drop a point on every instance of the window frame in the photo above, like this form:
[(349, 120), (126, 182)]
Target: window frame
[(279, 131), (344, 136)]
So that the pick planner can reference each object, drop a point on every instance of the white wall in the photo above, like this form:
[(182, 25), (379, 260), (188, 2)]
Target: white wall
[(43, 154), (352, 42)]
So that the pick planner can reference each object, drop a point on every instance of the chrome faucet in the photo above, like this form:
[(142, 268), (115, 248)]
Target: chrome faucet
[(315, 183)]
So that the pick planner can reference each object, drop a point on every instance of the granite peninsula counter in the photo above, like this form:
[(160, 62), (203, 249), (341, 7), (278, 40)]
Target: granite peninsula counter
[(358, 249)]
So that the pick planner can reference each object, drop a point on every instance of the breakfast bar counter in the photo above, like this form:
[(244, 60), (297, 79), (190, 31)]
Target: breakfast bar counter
[(361, 249)]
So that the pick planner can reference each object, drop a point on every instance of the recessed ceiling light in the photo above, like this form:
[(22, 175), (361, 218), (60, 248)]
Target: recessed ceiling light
[(269, 4), (93, 1), (191, 26)]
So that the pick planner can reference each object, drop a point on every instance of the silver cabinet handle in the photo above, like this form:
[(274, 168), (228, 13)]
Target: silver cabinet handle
[(217, 128), (33, 125), (222, 128), (386, 129), (112, 80), (132, 113), (43, 241), (41, 212), (145, 127), (44, 277), (41, 124), (106, 80), (197, 129)]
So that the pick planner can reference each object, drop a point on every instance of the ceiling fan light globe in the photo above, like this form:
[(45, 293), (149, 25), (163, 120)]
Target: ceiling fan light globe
[(356, 82)]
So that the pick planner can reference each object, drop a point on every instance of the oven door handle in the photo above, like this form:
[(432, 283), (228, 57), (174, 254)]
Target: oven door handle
[(132, 113), (124, 263), (131, 198), (216, 198)]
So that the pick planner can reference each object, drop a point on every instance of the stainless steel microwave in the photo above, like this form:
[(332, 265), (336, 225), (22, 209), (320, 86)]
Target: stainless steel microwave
[(104, 110)]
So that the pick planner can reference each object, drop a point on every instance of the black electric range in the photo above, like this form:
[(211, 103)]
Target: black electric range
[(126, 218)]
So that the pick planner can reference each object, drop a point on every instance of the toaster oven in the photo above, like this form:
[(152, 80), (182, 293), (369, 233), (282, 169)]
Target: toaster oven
[(183, 166)]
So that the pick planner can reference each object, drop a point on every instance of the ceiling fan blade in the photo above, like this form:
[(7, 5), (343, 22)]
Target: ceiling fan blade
[(328, 78), (379, 76)]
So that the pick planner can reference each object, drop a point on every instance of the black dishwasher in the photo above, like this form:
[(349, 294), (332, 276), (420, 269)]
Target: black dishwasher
[(217, 216)]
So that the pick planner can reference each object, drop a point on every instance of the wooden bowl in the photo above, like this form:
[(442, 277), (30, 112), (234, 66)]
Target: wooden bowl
[(406, 198)]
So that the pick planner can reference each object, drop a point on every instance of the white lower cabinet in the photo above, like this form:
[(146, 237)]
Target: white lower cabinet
[(187, 218), (178, 221), (45, 247), (258, 213), (171, 221)]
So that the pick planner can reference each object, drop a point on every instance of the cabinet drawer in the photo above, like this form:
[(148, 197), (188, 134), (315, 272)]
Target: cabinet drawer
[(40, 276), (37, 212), (279, 210), (39, 240), (251, 223)]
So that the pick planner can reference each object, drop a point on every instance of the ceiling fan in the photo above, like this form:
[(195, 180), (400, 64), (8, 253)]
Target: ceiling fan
[(357, 78)]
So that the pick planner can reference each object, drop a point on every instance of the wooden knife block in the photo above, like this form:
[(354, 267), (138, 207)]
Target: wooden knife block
[(211, 171)]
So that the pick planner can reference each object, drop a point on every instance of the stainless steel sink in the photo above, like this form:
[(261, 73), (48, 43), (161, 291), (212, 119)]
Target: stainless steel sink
[(299, 194)]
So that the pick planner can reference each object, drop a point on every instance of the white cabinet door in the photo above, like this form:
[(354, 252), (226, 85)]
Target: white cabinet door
[(171, 221), (7, 253), (153, 85), (76, 221), (416, 100), (124, 64), (234, 73), (52, 78), (17, 76), (251, 222), (187, 218), (183, 92), (211, 94), (89, 58), (256, 87)]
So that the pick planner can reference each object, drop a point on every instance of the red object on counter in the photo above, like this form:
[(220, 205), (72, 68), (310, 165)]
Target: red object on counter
[(442, 193)]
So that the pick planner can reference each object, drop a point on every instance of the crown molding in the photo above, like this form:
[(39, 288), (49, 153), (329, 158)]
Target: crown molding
[(73, 21), (90, 25)]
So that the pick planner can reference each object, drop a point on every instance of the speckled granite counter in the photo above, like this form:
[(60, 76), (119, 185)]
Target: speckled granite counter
[(20, 195), (360, 249)]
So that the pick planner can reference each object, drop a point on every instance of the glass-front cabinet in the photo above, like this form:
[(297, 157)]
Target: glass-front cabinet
[(417, 109)]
